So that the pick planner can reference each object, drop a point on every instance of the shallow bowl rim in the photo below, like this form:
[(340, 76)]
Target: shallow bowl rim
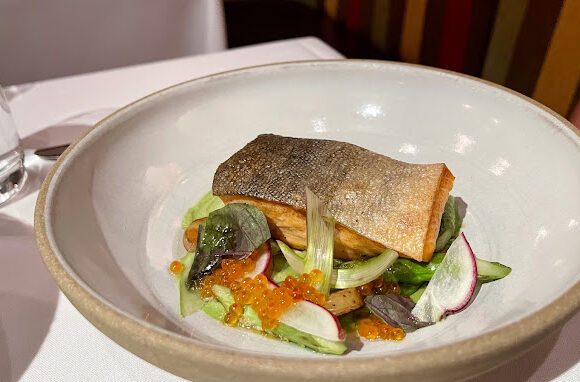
[(111, 320)]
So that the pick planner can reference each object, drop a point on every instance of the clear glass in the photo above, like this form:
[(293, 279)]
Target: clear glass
[(12, 171)]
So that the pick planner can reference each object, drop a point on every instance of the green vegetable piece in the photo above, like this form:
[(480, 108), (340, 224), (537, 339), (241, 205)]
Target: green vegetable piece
[(405, 271), (413, 272), (215, 309), (201, 209), (224, 295), (450, 225), (250, 319), (190, 301), (310, 341), (408, 289), (490, 271), (281, 268), (348, 321), (320, 241), (418, 293)]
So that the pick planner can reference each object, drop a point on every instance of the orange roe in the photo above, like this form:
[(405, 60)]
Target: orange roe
[(176, 267), (378, 286), (372, 327), (268, 303)]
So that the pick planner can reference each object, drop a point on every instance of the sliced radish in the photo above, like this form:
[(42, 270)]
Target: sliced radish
[(452, 284), (310, 318), (263, 262), (272, 284), (313, 319)]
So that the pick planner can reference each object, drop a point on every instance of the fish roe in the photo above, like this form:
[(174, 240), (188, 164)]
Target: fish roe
[(378, 286), (372, 328), (269, 303), (176, 267)]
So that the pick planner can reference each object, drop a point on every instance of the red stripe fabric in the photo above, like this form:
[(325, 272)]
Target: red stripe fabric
[(432, 30), (532, 44), (478, 38), (455, 33), (353, 12)]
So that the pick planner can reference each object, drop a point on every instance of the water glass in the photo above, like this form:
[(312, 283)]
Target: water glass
[(12, 171)]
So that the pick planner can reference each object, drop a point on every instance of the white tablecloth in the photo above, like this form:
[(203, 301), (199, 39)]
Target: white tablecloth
[(42, 336)]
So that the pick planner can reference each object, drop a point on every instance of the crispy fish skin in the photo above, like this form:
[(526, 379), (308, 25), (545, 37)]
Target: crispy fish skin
[(378, 202)]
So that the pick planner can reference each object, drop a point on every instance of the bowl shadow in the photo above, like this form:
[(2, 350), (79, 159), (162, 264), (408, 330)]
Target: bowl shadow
[(28, 298), (544, 362)]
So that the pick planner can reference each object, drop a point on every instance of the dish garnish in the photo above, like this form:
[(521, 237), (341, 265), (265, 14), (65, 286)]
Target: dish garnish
[(305, 239)]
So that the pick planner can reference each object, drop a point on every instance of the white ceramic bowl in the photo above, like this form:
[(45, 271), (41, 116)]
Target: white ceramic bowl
[(108, 216)]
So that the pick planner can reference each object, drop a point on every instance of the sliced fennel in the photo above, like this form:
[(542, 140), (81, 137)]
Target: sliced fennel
[(320, 241), (349, 274), (280, 269), (355, 273), (292, 257)]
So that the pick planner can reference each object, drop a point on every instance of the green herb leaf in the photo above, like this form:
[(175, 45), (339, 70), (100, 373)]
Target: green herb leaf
[(450, 225)]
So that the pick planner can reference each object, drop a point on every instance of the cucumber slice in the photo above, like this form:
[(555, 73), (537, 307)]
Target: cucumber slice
[(490, 271), (310, 341), (224, 295), (411, 272), (190, 301), (215, 309)]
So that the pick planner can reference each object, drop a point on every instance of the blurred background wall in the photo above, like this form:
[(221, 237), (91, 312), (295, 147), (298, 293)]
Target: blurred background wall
[(42, 39), (531, 46)]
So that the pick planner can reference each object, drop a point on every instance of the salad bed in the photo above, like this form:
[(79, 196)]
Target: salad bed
[(237, 274)]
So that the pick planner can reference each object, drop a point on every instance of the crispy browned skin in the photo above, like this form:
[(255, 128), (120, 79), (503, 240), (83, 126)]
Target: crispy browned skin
[(378, 202)]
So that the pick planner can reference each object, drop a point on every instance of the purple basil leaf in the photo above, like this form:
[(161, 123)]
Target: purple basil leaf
[(395, 310)]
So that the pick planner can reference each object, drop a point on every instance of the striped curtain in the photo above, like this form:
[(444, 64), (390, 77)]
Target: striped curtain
[(531, 46)]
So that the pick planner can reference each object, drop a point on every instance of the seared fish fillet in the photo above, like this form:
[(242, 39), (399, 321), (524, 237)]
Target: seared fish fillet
[(378, 202)]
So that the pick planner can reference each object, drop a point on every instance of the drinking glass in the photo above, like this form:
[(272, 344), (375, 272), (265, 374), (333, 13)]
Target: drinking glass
[(12, 171)]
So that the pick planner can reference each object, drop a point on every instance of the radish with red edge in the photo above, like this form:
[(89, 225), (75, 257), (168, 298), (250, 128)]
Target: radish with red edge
[(263, 261), (452, 284), (313, 319), (310, 318)]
